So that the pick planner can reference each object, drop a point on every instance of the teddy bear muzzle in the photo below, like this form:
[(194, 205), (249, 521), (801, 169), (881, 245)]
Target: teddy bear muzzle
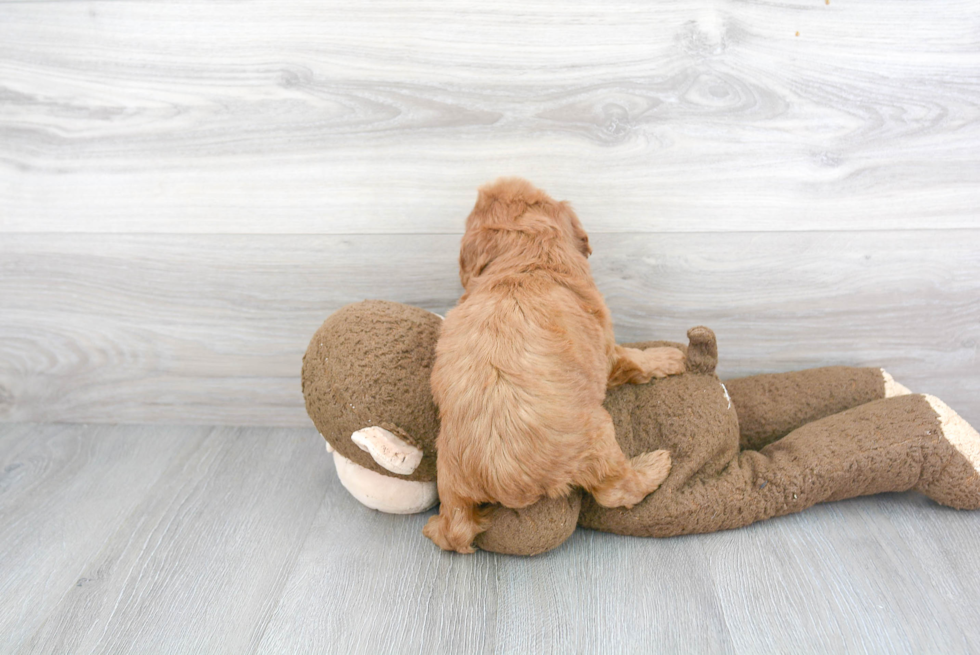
[(381, 492)]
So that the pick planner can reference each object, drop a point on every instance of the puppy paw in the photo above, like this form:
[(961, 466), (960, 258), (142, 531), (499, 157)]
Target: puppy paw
[(648, 471), (437, 531), (663, 361), (653, 467)]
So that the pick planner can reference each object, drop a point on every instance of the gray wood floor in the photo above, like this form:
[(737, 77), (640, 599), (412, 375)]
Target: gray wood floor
[(241, 540)]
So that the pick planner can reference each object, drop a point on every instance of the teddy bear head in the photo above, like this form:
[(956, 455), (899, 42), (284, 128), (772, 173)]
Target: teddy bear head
[(366, 385)]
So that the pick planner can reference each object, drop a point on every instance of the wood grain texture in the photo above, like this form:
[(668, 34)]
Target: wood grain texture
[(64, 490), (212, 328), (175, 539), (309, 117), (199, 564), (845, 577)]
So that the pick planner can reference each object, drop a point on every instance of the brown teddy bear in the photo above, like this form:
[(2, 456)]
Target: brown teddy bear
[(742, 451)]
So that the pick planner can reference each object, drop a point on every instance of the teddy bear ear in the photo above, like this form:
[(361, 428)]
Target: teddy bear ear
[(389, 450), (384, 492)]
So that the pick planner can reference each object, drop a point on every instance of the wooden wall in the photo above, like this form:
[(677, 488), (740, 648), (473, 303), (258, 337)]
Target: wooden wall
[(188, 189)]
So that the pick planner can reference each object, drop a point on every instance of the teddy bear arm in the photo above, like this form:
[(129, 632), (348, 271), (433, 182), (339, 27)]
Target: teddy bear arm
[(532, 530), (771, 406)]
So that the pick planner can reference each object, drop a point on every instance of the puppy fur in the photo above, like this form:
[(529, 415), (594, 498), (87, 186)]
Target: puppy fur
[(522, 367)]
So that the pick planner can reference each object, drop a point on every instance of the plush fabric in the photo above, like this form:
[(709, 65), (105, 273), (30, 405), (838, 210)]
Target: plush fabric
[(743, 451)]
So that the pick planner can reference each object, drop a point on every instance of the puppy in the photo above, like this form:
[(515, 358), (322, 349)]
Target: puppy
[(522, 367)]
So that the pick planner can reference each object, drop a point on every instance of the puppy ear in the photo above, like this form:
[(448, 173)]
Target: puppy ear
[(577, 230), (475, 254)]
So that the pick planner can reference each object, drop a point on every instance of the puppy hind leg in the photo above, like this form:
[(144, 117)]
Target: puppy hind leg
[(633, 482), (456, 525), (615, 481)]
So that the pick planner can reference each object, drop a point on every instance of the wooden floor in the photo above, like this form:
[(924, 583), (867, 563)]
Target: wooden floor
[(241, 540)]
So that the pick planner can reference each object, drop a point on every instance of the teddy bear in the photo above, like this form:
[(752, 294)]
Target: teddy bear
[(742, 451)]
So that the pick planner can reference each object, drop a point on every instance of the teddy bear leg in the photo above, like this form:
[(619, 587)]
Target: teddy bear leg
[(892, 444), (771, 406)]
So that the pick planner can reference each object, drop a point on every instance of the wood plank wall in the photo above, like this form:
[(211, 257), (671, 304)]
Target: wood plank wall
[(188, 189)]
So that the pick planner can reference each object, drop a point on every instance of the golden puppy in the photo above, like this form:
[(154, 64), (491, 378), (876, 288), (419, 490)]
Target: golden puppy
[(522, 367)]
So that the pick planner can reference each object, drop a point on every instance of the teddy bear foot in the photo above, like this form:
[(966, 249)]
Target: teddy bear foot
[(958, 482)]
